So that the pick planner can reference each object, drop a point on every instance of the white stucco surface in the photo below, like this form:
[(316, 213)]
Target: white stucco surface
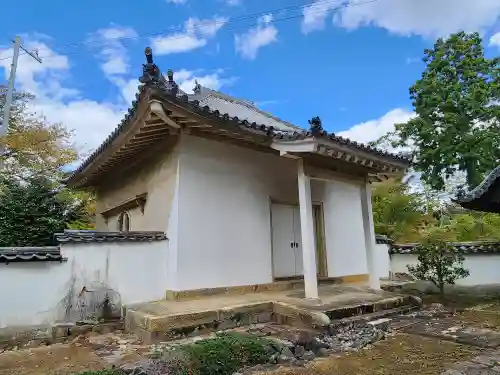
[(484, 269), (344, 236), (382, 260), (31, 292), (224, 223)]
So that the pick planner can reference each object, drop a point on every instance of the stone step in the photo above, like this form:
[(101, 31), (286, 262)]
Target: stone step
[(153, 324), (372, 307), (381, 316)]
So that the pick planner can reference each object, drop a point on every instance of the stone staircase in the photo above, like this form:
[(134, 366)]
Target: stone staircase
[(162, 321)]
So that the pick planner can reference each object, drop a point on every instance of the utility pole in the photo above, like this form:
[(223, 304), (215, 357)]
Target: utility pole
[(4, 125)]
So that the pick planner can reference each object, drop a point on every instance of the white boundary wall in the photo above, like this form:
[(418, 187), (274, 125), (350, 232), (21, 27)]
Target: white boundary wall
[(31, 293), (484, 269)]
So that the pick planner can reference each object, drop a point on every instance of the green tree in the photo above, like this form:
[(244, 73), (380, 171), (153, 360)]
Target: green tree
[(457, 106), (34, 145), (438, 261), (397, 213), (31, 211)]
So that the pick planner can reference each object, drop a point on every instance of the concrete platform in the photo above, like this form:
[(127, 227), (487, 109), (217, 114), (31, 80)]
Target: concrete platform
[(171, 320)]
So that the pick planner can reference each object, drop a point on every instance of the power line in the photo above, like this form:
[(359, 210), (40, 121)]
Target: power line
[(233, 20)]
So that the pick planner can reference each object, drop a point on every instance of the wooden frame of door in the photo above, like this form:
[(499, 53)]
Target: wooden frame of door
[(318, 217)]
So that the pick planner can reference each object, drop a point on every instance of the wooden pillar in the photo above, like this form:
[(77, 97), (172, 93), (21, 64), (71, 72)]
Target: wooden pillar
[(369, 234), (307, 231)]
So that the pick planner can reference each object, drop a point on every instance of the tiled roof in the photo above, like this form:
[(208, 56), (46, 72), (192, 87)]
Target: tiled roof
[(381, 239), (86, 236), (492, 247), (252, 119), (239, 108), (30, 254), (479, 191)]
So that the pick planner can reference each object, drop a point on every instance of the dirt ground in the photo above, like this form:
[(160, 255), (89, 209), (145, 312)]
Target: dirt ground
[(59, 359), (401, 354), (408, 354), (398, 354)]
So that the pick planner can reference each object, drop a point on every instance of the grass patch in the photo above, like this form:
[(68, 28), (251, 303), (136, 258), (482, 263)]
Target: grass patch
[(225, 354), (101, 372)]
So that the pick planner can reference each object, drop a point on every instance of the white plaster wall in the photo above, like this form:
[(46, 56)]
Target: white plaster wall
[(382, 260), (224, 213), (344, 234), (156, 176), (224, 229), (31, 292), (484, 269)]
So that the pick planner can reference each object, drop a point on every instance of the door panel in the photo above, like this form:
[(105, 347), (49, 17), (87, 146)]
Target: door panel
[(283, 238), (299, 262)]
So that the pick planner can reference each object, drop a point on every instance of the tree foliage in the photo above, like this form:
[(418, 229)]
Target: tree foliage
[(407, 217), (32, 210), (398, 213), (438, 262), (457, 106), (33, 144), (35, 155)]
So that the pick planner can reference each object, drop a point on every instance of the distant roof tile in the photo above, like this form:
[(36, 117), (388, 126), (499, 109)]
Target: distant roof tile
[(485, 247), (86, 236), (30, 254), (480, 198)]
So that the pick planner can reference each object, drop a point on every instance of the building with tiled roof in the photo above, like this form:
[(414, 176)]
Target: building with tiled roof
[(243, 196)]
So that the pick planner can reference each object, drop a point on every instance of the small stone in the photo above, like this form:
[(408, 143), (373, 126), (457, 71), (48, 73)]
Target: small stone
[(286, 352), (437, 306), (308, 356), (299, 351), (283, 359), (322, 352), (273, 359)]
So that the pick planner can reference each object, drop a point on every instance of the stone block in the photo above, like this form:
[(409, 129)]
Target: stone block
[(61, 330), (168, 322)]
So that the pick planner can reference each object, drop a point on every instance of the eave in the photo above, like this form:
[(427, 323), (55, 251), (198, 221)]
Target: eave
[(159, 114), (325, 147), (483, 197)]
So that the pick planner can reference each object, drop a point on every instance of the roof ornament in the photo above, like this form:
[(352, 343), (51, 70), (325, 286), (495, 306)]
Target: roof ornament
[(197, 87), (316, 126), (151, 74)]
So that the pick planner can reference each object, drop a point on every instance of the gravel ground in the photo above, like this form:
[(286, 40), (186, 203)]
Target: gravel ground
[(351, 350), (400, 354)]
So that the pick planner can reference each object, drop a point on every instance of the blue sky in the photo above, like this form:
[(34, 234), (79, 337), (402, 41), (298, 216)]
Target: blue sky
[(351, 66)]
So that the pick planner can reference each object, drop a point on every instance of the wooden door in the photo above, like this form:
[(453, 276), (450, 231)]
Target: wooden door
[(283, 240), (297, 234)]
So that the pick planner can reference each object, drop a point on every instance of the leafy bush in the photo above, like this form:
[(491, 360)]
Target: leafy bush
[(226, 353), (101, 372), (438, 262)]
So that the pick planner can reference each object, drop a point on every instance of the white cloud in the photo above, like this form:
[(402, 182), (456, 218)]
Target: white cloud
[(177, 1), (374, 129), (113, 53), (495, 40), (176, 43), (249, 43), (427, 18), (315, 15), (233, 3), (90, 120), (185, 79), (196, 34)]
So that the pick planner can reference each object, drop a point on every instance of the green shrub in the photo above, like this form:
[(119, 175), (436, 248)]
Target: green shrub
[(226, 353), (101, 372)]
